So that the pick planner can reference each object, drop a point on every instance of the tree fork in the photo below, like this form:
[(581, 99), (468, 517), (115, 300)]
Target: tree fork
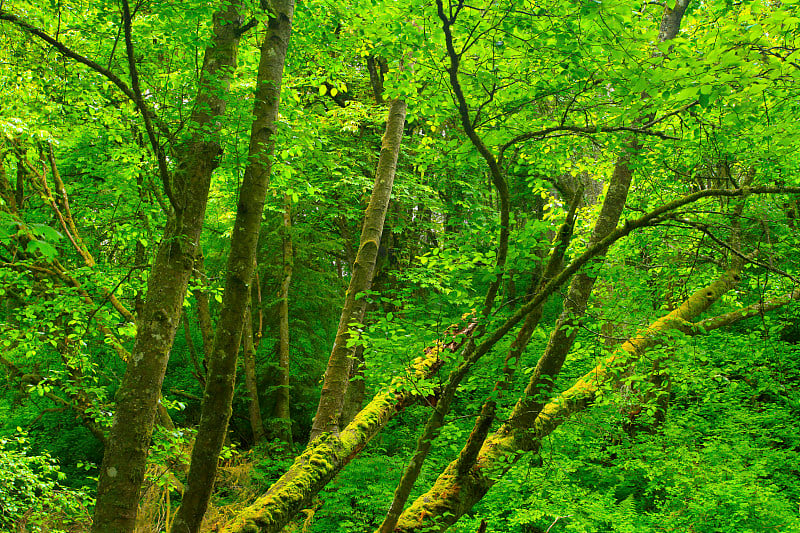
[(453, 495), (218, 396), (123, 467)]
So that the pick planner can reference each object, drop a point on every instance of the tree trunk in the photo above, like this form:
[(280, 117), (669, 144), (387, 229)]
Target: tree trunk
[(356, 389), (123, 467), (568, 324), (326, 456), (249, 352), (218, 395), (283, 422), (337, 373)]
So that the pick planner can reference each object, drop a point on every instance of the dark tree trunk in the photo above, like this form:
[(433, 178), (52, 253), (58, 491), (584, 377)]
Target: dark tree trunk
[(123, 467), (221, 378)]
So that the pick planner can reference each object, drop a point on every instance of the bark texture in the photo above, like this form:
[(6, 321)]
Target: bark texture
[(125, 456), (282, 413), (337, 373), (356, 389), (249, 353), (327, 455), (563, 336), (436, 419), (216, 410)]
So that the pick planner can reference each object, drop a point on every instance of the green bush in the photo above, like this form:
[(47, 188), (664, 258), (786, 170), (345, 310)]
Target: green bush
[(32, 498)]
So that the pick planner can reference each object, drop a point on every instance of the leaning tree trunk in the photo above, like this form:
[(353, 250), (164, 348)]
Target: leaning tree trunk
[(566, 329), (337, 373), (567, 326), (455, 492), (123, 467), (580, 289), (216, 410), (325, 457)]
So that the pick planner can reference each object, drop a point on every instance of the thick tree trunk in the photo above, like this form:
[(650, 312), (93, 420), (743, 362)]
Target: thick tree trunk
[(337, 373), (218, 395), (123, 467)]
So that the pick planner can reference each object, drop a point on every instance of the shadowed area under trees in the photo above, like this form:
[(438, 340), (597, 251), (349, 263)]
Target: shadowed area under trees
[(490, 267)]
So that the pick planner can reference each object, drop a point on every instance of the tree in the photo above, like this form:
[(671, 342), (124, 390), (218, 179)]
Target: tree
[(582, 165)]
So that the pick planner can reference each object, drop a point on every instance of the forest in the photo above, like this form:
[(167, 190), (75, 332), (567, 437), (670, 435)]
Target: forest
[(379, 266)]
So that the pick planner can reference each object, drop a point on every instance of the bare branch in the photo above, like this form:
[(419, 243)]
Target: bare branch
[(163, 172)]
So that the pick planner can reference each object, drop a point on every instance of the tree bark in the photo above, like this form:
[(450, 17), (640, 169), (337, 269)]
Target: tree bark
[(327, 455), (337, 373), (356, 388), (216, 410), (580, 289), (123, 467), (282, 414), (250, 381)]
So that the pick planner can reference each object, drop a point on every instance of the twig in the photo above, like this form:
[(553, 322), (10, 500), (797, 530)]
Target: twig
[(556, 520)]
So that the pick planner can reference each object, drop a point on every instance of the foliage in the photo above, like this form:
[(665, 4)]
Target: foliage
[(32, 495), (559, 92), (720, 460)]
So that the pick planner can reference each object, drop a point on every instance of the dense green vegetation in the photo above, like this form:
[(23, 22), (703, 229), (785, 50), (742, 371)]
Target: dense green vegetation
[(525, 267)]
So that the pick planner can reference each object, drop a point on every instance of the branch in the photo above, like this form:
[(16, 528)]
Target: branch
[(494, 168), (706, 231), (68, 52), (131, 94), (746, 312), (163, 172), (649, 219), (67, 223), (585, 129)]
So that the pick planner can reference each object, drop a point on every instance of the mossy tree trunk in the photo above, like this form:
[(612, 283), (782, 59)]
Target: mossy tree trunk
[(327, 455), (580, 289), (218, 396), (356, 388), (455, 492), (324, 458), (337, 373), (282, 412), (123, 467)]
